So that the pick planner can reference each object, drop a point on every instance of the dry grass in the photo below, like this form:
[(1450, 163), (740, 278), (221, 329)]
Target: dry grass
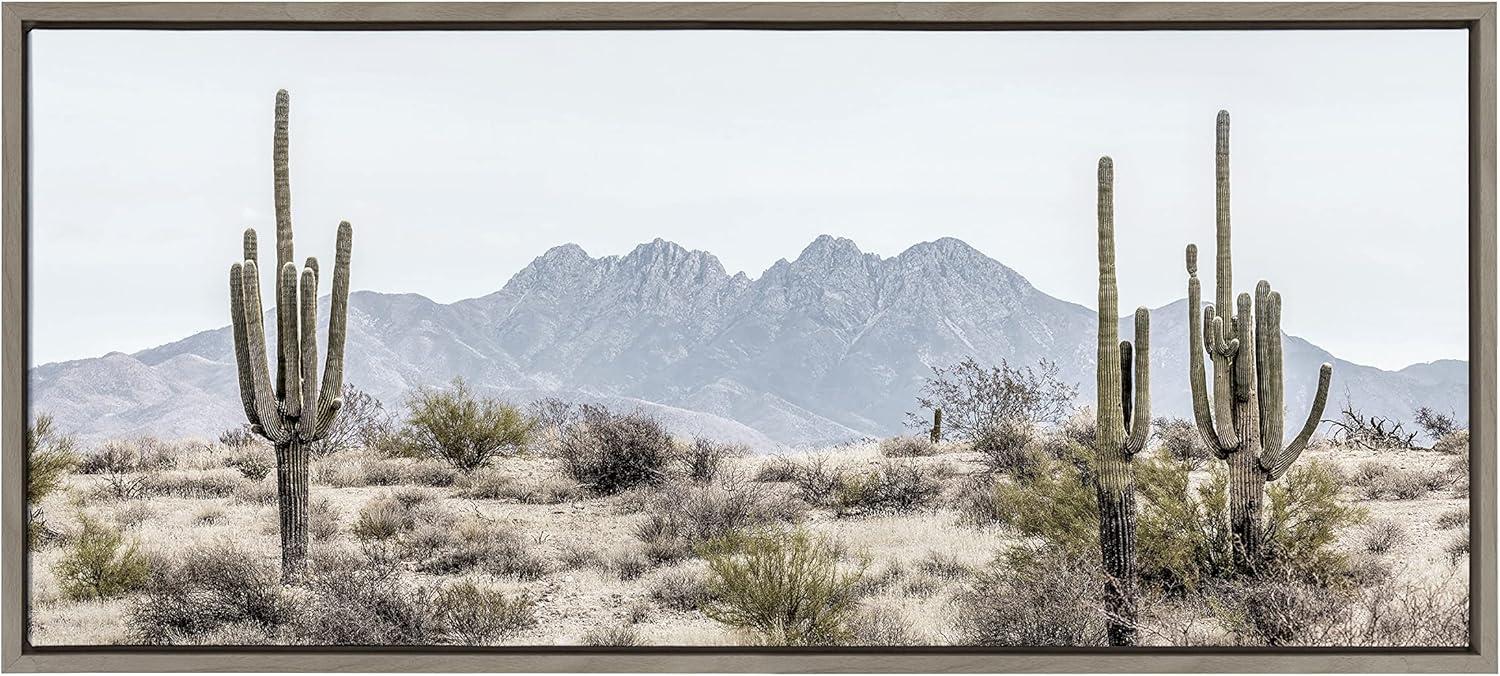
[(521, 529)]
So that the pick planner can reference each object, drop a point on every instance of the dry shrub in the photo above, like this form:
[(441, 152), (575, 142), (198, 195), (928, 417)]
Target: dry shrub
[(1009, 448), (1278, 610), (258, 493), (482, 485), (613, 635), (253, 461), (684, 589), (914, 446), (1457, 517), (195, 484), (208, 515), (577, 557), (704, 459), (133, 514), (1383, 536), (777, 469), (213, 589), (1457, 548), (610, 452), (360, 600), (467, 546), (680, 518), (892, 489), (1456, 443), (882, 626), (1045, 596), (784, 588), (1179, 439), (143, 454), (466, 613), (628, 564)]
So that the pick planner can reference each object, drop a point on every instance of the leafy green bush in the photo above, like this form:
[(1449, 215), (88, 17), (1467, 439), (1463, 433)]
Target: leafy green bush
[(787, 588), (50, 456), (212, 587), (1057, 504), (100, 565), (610, 452), (461, 429), (468, 614)]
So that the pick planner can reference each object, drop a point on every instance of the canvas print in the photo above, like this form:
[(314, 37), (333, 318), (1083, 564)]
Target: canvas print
[(748, 338)]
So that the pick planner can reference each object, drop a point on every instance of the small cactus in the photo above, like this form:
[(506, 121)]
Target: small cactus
[(937, 425), (295, 412), (1243, 421), (1122, 424)]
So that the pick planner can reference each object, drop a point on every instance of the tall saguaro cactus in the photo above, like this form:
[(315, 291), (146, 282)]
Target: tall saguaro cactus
[(295, 411), (1123, 421), (1242, 422)]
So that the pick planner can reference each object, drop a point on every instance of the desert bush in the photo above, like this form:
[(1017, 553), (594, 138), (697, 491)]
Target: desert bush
[(360, 600), (1457, 548), (1404, 485), (1436, 425), (1383, 536), (1273, 609), (253, 461), (894, 488), (680, 589), (975, 398), (818, 480), (1180, 440), (50, 456), (786, 588), (628, 564), (212, 587), (208, 515), (1304, 517), (552, 412), (474, 545), (361, 418), (576, 557), (680, 518), (100, 565), (703, 459), (914, 446), (1008, 448), (1456, 443), (236, 438), (1457, 517), (1044, 596), (1374, 433), (322, 520), (466, 431), (1056, 505), (469, 614), (142, 454), (609, 452), (620, 635), (257, 493), (195, 485), (1368, 473), (382, 518), (882, 626), (777, 469)]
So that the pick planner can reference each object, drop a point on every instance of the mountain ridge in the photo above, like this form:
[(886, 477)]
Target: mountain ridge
[(828, 346)]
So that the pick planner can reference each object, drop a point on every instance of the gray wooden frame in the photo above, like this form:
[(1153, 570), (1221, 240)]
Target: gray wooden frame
[(1478, 18)]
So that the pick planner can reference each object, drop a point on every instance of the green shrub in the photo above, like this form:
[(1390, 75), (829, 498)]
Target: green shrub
[(50, 457), (461, 429), (1057, 505), (787, 588), (468, 614), (100, 565), (213, 587), (609, 452), (1182, 536), (1304, 517)]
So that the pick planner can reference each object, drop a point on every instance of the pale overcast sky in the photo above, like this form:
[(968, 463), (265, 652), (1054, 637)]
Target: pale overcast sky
[(460, 156)]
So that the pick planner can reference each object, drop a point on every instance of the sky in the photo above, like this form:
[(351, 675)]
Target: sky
[(461, 156)]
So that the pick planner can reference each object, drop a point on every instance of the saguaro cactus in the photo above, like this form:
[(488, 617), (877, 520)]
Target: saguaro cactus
[(1242, 423), (294, 412), (1123, 421), (937, 425)]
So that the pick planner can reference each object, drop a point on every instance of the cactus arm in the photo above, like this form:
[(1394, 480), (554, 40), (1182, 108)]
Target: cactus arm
[(241, 344), (1140, 426), (1109, 420), (291, 356), (268, 419), (1198, 344), (1244, 363), (1126, 355), (1269, 371), (1284, 459), (307, 297), (1223, 355), (338, 317), (282, 187)]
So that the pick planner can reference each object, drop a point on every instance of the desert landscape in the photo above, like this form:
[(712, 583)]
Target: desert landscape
[(600, 528)]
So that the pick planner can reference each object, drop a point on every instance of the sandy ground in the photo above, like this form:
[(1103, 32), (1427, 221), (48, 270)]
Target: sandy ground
[(571, 602)]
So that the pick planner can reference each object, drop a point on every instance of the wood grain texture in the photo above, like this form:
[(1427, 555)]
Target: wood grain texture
[(1478, 18)]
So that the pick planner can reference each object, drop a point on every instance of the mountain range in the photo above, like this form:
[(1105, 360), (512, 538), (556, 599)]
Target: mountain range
[(831, 346)]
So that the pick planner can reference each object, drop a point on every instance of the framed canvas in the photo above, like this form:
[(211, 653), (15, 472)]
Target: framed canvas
[(748, 337)]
